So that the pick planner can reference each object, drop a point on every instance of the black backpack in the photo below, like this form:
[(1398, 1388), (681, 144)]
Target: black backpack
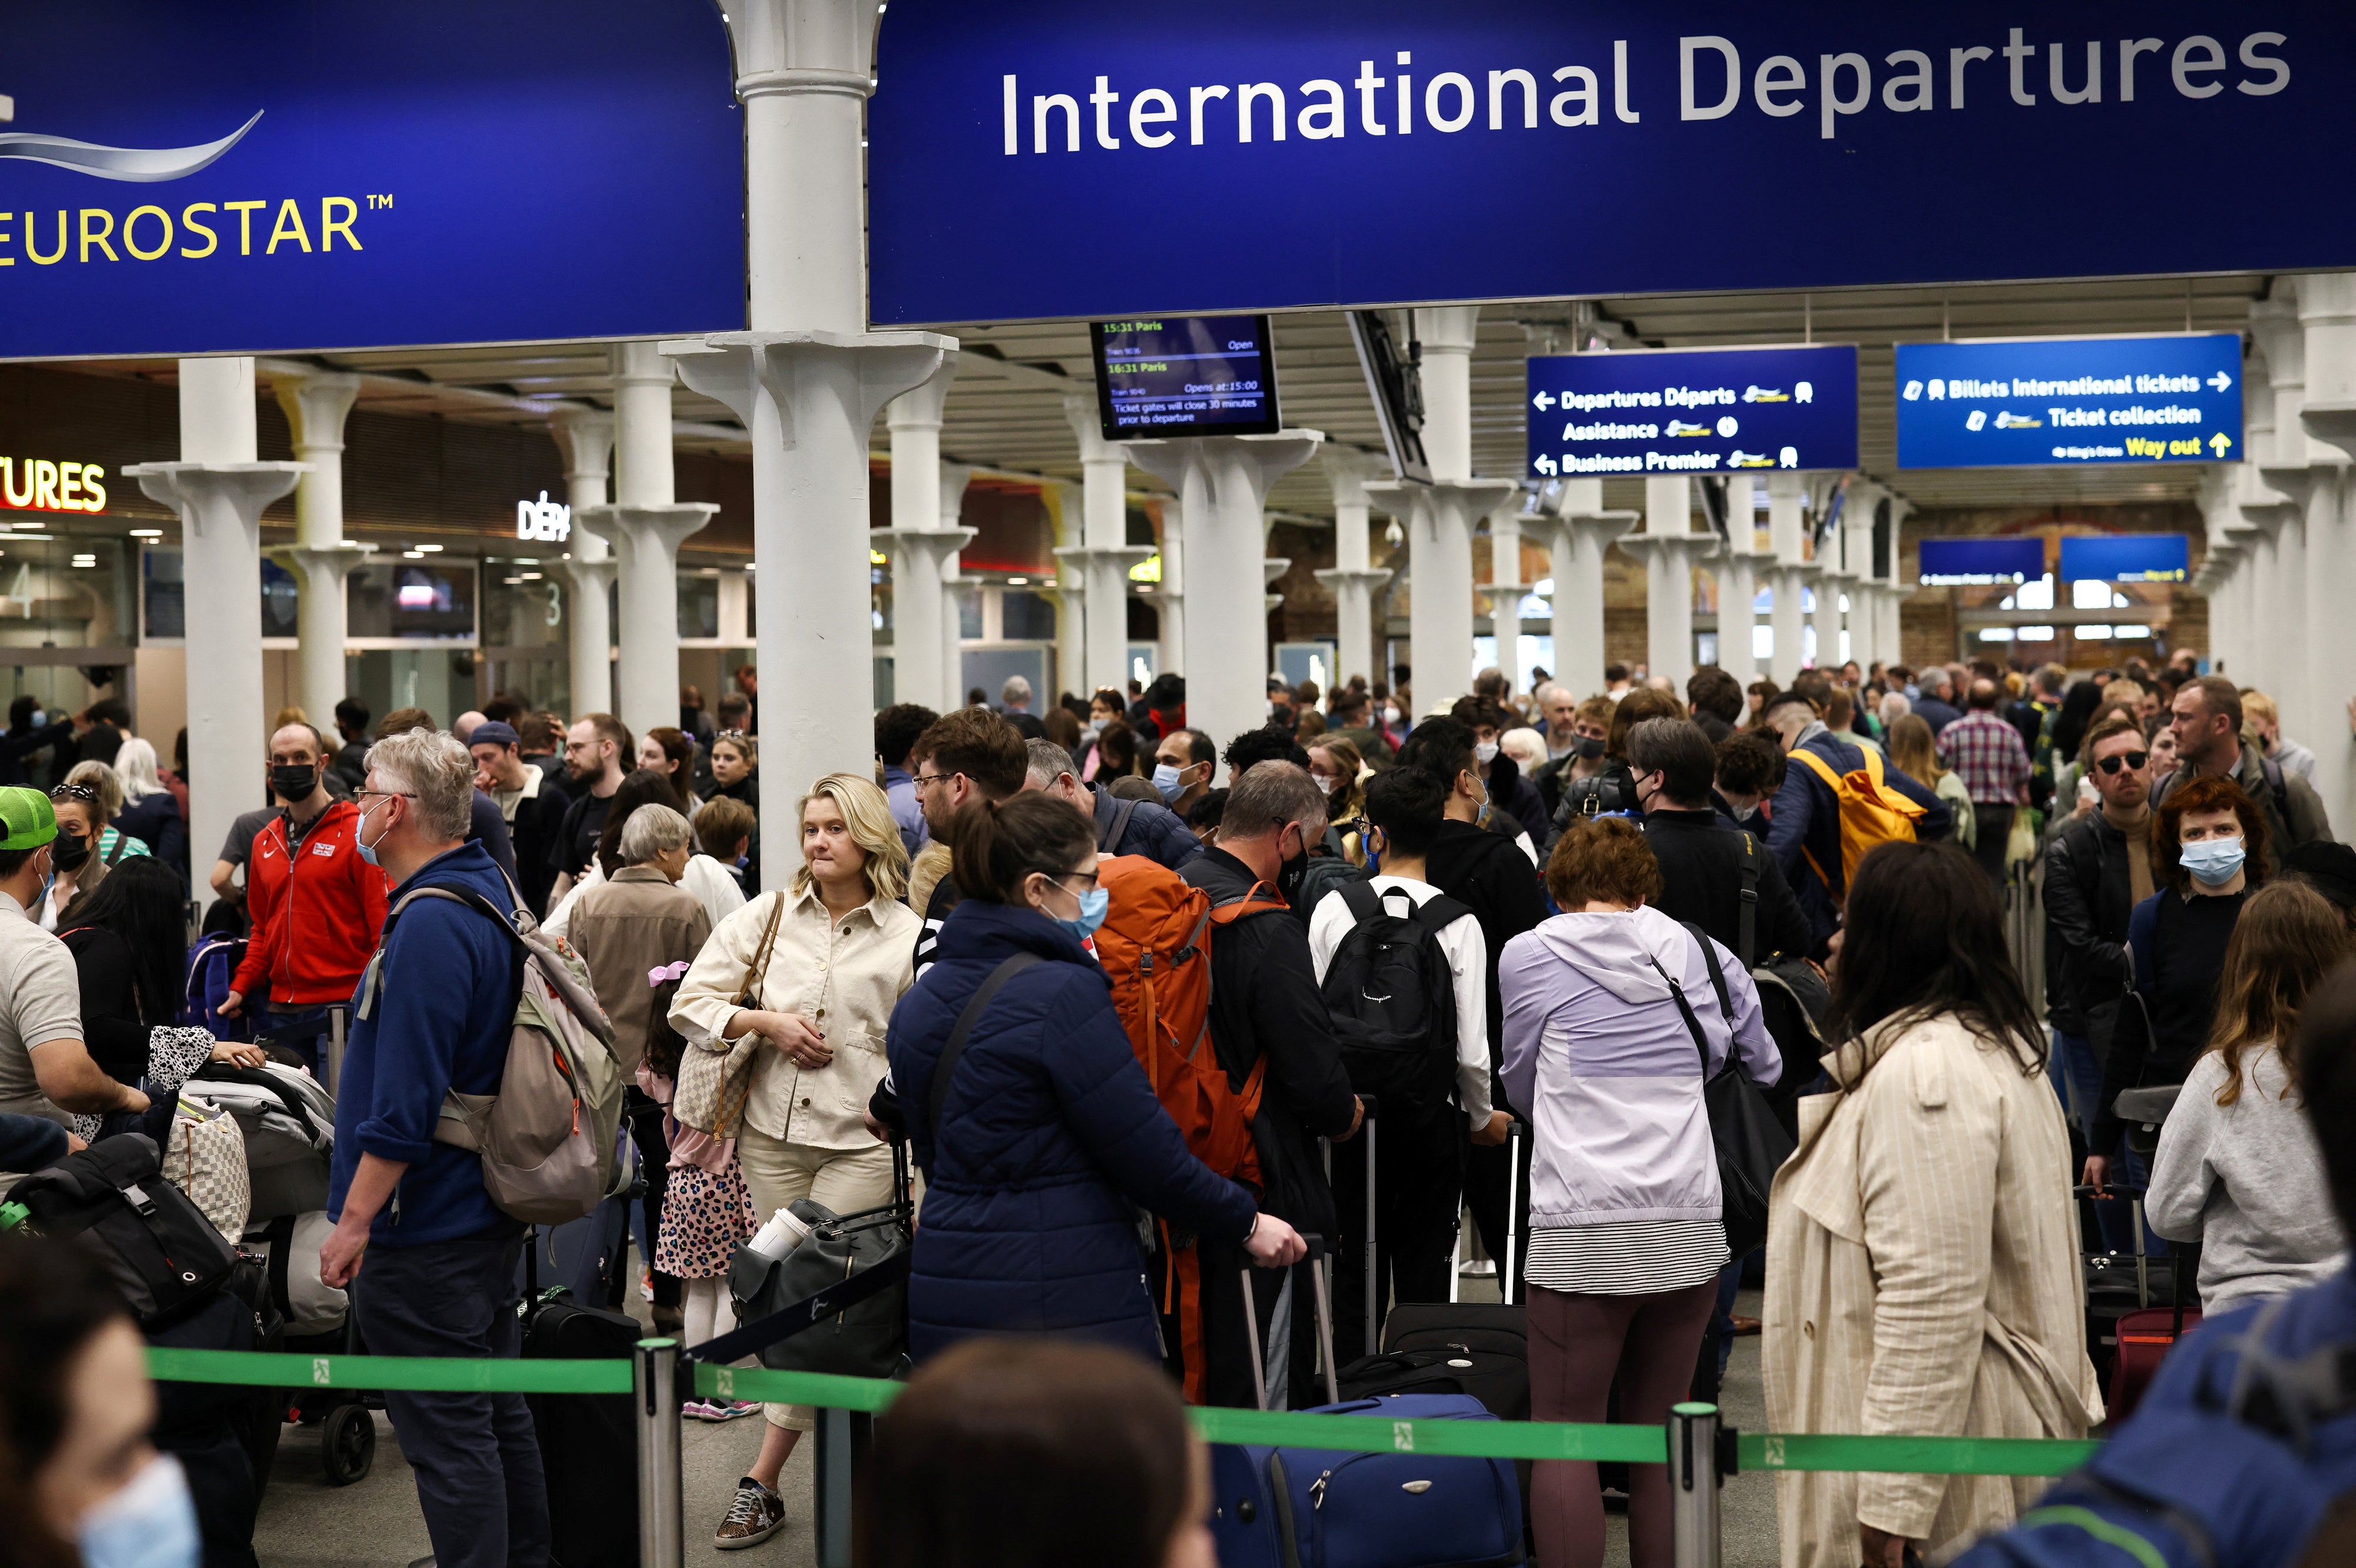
[(162, 1253), (1393, 999), (1792, 999)]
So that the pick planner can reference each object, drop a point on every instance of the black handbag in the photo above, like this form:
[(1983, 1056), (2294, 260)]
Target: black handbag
[(111, 1199), (868, 1338), (1750, 1142)]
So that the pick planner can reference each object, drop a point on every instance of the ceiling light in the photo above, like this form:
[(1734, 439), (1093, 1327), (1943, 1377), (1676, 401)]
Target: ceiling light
[(147, 533), (426, 549), (413, 556), (514, 582), (1018, 582), (531, 576)]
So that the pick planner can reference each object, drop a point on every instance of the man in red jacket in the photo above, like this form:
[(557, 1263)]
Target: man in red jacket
[(316, 903)]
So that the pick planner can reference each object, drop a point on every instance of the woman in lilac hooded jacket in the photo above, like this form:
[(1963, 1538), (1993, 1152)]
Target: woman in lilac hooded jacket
[(1625, 1243)]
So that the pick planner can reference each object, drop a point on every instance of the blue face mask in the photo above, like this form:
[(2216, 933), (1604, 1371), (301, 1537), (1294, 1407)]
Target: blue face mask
[(151, 1523), (2213, 861), (360, 841), (1165, 782), (1093, 905)]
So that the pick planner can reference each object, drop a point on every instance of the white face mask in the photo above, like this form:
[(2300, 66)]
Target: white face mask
[(1390, 716), (1486, 751), (150, 1523), (1324, 784)]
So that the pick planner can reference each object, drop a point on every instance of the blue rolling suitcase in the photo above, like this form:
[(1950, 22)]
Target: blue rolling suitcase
[(1312, 1507)]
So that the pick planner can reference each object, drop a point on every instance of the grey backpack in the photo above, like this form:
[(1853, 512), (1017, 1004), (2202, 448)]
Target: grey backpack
[(547, 1136)]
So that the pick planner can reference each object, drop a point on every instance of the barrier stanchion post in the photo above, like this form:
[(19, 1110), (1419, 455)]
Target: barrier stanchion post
[(1693, 1485), (661, 1539), (842, 1437)]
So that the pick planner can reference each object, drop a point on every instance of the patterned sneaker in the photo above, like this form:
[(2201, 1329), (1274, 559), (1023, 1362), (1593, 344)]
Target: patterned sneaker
[(700, 1410), (734, 1410), (757, 1514)]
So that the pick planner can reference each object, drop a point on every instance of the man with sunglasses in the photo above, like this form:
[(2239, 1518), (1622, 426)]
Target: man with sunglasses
[(2096, 871)]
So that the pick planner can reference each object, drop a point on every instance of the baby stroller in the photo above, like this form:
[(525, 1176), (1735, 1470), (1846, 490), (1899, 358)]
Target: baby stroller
[(289, 1122)]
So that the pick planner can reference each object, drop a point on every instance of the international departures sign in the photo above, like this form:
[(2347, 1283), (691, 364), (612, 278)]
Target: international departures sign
[(289, 175), (1250, 154)]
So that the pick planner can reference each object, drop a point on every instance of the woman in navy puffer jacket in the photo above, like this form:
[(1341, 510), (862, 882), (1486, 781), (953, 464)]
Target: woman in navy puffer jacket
[(1050, 1138)]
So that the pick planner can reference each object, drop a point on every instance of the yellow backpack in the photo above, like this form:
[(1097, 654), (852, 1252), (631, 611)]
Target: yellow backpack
[(1871, 814)]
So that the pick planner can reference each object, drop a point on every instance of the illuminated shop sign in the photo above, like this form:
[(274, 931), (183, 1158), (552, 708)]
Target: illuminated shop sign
[(544, 520), (43, 484)]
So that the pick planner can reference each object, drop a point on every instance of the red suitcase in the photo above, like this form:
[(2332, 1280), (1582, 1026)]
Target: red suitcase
[(2146, 1336)]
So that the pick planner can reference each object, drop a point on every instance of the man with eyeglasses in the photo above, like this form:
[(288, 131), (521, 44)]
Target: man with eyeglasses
[(967, 754), (2096, 871)]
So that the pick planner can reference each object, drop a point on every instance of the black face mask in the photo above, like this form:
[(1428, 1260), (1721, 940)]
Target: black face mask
[(294, 783), (1590, 747), (71, 849), (1291, 873)]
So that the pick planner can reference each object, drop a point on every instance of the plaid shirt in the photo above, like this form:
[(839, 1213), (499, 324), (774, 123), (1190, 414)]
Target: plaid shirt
[(1986, 751)]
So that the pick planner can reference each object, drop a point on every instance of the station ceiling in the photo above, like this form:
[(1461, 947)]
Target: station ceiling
[(1006, 411)]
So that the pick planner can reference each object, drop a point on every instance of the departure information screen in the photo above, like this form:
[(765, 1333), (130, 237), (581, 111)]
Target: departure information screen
[(1978, 562), (2126, 557), (1195, 375)]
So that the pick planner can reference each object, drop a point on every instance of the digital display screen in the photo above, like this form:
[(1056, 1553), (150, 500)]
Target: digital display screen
[(1973, 562), (1692, 411), (1199, 375), (2126, 557), (2068, 400)]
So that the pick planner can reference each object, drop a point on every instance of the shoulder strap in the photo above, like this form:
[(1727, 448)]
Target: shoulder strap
[(1747, 905), (1872, 764), (1717, 974), (123, 841), (2276, 786), (1685, 1011), (945, 1068), (1108, 841), (1256, 900), (1816, 764), (1364, 900)]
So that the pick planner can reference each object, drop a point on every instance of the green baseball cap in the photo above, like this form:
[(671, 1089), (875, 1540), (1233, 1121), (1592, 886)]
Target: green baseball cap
[(26, 817)]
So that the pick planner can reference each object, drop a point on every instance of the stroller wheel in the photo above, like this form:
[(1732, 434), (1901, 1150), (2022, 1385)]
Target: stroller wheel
[(347, 1443)]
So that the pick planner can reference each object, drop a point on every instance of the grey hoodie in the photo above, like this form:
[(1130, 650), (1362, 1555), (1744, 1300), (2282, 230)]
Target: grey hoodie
[(1598, 1056)]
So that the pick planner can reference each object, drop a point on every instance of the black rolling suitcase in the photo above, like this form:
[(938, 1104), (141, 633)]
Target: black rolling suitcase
[(588, 1442)]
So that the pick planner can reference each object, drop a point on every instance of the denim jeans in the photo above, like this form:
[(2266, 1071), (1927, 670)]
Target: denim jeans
[(478, 1462)]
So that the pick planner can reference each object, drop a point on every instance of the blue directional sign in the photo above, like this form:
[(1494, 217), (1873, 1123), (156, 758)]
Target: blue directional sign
[(1990, 141), (2047, 401), (2126, 557), (1692, 411), (294, 175), (1977, 561)]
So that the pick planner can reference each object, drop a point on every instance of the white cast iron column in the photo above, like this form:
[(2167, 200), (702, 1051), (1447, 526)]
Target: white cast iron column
[(923, 543), (1786, 531), (1740, 562), (1586, 532), (1171, 597), (2286, 465), (1351, 577), (806, 381), (1668, 547), (646, 526), (316, 403), (585, 435), (1505, 590), (1222, 483), (1102, 553), (220, 492), (2327, 308)]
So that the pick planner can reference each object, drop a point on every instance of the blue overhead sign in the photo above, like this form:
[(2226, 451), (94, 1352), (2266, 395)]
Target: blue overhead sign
[(292, 175), (2046, 400), (1977, 562), (2126, 557), (1692, 411), (1276, 153)]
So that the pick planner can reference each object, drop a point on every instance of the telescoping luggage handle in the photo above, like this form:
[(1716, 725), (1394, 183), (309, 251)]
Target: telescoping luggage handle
[(1317, 1258)]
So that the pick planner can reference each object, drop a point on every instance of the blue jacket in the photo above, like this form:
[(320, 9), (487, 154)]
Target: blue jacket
[(1807, 823), (442, 1017), (1152, 831), (1051, 1142)]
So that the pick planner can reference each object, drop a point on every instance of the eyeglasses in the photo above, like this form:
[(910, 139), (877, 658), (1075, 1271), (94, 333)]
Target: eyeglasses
[(2134, 759), (390, 794), (918, 781)]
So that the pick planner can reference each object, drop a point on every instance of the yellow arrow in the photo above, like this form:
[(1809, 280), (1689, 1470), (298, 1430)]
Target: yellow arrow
[(2218, 442)]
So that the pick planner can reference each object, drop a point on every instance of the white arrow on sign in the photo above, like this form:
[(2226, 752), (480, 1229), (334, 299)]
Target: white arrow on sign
[(1544, 400), (2220, 380), (2218, 442), (1544, 465)]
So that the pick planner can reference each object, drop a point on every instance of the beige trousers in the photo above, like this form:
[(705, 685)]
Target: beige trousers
[(777, 1173)]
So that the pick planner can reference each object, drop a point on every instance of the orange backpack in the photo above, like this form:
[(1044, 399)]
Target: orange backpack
[(1155, 945), (1871, 814)]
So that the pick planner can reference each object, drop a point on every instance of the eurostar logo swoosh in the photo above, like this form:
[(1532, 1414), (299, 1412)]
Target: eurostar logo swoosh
[(138, 166)]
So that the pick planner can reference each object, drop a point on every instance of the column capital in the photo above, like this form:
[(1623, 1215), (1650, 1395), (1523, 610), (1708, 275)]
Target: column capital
[(591, 576), (315, 403), (1602, 527), (586, 436), (1085, 555), (1087, 420), (2327, 310), (940, 542), (667, 524), (193, 488), (1338, 577), (737, 368), (803, 46), (1258, 460), (1448, 329), (920, 407), (326, 565), (1348, 469)]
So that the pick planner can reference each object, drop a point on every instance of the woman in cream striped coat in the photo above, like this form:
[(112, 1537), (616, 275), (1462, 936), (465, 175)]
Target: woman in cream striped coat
[(1923, 1271)]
